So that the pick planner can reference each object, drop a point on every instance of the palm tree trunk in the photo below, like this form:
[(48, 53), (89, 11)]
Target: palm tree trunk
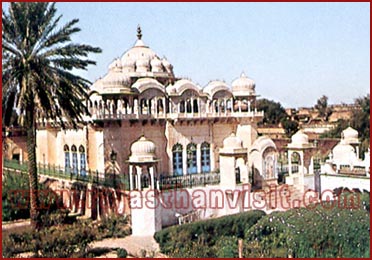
[(32, 170)]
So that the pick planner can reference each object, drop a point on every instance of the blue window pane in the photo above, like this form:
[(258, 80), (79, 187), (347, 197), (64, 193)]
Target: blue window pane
[(191, 164), (67, 162), (177, 163), (82, 164), (205, 158), (74, 163)]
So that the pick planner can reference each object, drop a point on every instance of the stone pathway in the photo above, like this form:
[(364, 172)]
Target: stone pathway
[(135, 246), (15, 224)]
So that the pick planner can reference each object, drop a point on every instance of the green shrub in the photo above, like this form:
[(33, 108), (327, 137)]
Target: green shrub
[(53, 242), (16, 198), (199, 237), (122, 253), (227, 247), (114, 226), (319, 232)]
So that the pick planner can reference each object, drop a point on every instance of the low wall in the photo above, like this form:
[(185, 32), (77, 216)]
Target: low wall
[(330, 182)]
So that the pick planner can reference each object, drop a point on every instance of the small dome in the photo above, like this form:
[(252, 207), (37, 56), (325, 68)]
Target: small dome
[(299, 140), (143, 147), (168, 67), (115, 79), (232, 142), (143, 65), (115, 65), (156, 65), (349, 136), (243, 86), (128, 65), (343, 153)]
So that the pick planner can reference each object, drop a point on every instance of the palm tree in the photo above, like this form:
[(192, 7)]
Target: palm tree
[(38, 65)]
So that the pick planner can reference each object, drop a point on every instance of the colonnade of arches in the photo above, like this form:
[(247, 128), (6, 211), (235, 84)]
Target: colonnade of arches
[(161, 105)]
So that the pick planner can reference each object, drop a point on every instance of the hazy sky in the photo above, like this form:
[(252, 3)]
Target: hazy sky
[(295, 52)]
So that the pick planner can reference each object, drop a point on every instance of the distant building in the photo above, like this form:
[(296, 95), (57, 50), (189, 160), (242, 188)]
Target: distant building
[(345, 168)]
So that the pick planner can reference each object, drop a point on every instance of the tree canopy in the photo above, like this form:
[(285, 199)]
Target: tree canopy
[(38, 75), (322, 106)]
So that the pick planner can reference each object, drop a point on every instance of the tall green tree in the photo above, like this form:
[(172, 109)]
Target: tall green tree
[(38, 75), (274, 112), (322, 106)]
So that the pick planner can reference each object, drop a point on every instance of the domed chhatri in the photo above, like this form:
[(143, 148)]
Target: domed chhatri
[(349, 136), (243, 86), (232, 145), (143, 150), (232, 142), (299, 140)]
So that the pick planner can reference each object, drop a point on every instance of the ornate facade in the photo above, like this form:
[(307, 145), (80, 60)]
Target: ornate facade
[(141, 96)]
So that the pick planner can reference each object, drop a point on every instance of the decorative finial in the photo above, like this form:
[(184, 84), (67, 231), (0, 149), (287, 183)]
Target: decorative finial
[(139, 32)]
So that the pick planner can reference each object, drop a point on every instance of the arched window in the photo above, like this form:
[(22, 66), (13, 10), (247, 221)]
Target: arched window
[(177, 159), (188, 106), (191, 159), (237, 175), (66, 150), (205, 157), (82, 161), (195, 106), (74, 160), (182, 106)]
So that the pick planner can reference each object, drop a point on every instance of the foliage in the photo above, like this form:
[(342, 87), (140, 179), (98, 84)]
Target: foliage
[(38, 80), (290, 126), (323, 230), (274, 112), (16, 200), (122, 253), (198, 239), (335, 132), (69, 242), (62, 241), (226, 247), (114, 226), (322, 106), (310, 232), (360, 121)]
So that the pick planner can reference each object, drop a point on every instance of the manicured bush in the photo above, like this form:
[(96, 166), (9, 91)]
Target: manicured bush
[(227, 247), (200, 237), (324, 231), (122, 253)]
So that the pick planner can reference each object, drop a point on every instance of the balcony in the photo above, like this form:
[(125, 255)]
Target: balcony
[(99, 116)]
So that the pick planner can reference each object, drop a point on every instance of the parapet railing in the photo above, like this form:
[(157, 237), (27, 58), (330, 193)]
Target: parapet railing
[(121, 116), (189, 180), (86, 176)]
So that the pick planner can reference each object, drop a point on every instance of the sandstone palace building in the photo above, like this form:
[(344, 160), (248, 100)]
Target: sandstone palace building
[(149, 130), (176, 123)]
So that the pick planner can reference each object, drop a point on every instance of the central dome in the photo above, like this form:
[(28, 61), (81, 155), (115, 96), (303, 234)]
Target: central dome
[(140, 60)]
